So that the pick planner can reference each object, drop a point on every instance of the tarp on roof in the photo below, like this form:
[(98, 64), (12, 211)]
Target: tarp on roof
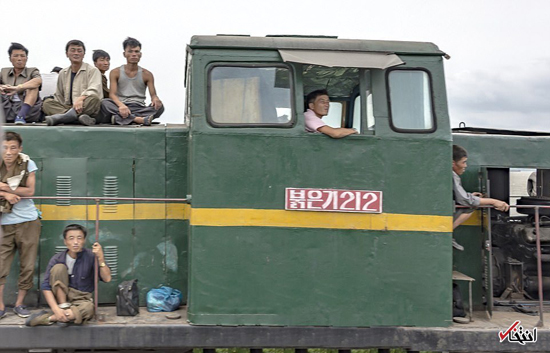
[(341, 58)]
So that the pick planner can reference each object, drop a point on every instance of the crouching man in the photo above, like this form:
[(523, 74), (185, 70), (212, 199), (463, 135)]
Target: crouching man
[(69, 281)]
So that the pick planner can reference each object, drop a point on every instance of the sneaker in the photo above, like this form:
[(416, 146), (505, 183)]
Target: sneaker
[(42, 318), (19, 120), (87, 120), (457, 246), (3, 313), (21, 311), (113, 120), (64, 305), (48, 120)]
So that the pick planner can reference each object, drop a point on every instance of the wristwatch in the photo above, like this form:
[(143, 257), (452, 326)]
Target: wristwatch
[(102, 264)]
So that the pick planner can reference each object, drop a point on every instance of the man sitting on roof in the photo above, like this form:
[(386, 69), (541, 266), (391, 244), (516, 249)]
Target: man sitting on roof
[(319, 102), (19, 87), (78, 94), (102, 60), (127, 94)]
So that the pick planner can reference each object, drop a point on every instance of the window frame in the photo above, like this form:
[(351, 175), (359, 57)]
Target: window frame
[(432, 105), (291, 123)]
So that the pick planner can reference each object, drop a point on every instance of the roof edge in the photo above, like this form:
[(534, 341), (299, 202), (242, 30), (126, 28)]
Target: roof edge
[(266, 43)]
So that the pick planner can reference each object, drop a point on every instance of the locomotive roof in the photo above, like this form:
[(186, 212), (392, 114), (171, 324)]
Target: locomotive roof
[(314, 43)]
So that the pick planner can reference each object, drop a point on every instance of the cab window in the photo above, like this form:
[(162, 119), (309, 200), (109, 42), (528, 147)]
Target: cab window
[(410, 101), (250, 95), (342, 84), (356, 124)]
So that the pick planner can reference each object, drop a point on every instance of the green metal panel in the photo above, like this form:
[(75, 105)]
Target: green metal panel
[(177, 231), (284, 276), (75, 168), (150, 256), (150, 175), (75, 151), (176, 162), (251, 171), (150, 236), (112, 177), (467, 261), (177, 255), (116, 237)]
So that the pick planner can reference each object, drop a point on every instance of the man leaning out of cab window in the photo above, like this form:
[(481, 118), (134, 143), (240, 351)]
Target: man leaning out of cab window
[(318, 103)]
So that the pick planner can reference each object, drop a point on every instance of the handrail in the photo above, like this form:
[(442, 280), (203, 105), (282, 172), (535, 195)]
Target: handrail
[(102, 198)]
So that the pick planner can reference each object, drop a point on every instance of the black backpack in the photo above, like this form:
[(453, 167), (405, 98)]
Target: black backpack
[(127, 299)]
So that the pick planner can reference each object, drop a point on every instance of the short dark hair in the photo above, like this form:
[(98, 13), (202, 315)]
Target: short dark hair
[(17, 46), (131, 42), (312, 96), (98, 54), (459, 152), (74, 227), (75, 42), (13, 136)]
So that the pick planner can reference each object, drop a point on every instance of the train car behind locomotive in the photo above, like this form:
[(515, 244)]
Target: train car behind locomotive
[(507, 271)]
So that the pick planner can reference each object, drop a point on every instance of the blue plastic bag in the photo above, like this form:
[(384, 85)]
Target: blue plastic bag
[(163, 299)]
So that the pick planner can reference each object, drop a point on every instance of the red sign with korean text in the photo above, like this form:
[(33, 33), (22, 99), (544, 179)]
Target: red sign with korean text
[(333, 200)]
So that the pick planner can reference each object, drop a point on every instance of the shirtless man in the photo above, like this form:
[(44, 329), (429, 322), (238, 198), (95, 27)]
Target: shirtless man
[(127, 92)]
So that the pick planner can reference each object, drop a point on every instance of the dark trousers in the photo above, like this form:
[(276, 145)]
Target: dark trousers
[(11, 109), (109, 108)]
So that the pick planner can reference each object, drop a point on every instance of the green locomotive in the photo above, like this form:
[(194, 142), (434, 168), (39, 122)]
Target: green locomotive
[(242, 255)]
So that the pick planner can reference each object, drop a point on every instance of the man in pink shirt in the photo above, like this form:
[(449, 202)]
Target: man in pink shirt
[(318, 103)]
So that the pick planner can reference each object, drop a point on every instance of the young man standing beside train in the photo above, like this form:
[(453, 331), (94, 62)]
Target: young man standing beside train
[(463, 198), (19, 218), (69, 281), (126, 103), (318, 105), (79, 90), (19, 87)]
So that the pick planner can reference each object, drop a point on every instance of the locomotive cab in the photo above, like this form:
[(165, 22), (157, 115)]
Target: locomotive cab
[(248, 146)]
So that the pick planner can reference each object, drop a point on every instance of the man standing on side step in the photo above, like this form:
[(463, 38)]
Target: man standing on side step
[(79, 91)]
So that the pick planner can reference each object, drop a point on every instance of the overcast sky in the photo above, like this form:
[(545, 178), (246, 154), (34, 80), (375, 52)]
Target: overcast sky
[(498, 75)]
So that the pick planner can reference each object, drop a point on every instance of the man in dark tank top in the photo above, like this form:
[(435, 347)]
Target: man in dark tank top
[(126, 103)]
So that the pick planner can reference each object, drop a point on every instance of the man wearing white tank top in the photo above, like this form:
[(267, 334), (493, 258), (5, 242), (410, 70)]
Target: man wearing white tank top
[(126, 103)]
